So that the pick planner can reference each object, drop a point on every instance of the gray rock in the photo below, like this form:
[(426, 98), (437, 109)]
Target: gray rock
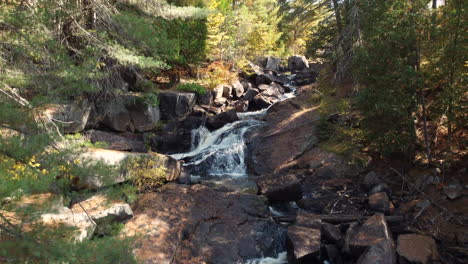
[(83, 224), (218, 91), (222, 119), (453, 191), (380, 202), (303, 243), (220, 101), (297, 63), (205, 99), (72, 118), (174, 105), (227, 91), (101, 209), (371, 179), (266, 78), (116, 142), (331, 233), (381, 187), (250, 94), (237, 89), (381, 253), (272, 63), (144, 116)]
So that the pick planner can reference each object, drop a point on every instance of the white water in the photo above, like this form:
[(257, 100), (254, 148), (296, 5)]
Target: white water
[(281, 259), (220, 152)]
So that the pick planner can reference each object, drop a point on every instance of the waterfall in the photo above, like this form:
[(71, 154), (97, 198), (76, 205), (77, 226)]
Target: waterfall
[(220, 152)]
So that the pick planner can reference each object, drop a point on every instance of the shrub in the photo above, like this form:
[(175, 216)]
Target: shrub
[(146, 173), (192, 87)]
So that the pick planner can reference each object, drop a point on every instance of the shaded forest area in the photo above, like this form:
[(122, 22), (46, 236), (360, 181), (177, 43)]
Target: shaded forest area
[(391, 89)]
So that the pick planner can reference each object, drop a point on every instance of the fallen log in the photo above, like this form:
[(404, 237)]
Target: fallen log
[(340, 219)]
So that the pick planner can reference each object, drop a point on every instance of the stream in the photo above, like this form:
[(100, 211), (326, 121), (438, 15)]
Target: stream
[(218, 158)]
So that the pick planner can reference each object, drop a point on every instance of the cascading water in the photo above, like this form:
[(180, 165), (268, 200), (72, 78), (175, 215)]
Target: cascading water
[(220, 152)]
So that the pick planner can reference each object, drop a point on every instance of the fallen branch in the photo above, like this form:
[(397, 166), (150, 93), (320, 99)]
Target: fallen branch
[(339, 219)]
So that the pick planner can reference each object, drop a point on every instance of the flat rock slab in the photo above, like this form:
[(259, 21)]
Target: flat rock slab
[(416, 249), (196, 224), (99, 207)]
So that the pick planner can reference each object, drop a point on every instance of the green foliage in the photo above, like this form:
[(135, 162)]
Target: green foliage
[(152, 99), (192, 87), (146, 173)]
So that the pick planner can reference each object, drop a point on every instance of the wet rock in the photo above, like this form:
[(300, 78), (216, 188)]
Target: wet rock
[(174, 105), (100, 208), (120, 158), (416, 249), (303, 244), (372, 179), (380, 253), (279, 188), (297, 63), (202, 226), (272, 63), (372, 232), (250, 94), (219, 120), (331, 233), (274, 90), (176, 136), (116, 142), (237, 89), (205, 99), (380, 202), (72, 118), (241, 106), (262, 101), (144, 116)]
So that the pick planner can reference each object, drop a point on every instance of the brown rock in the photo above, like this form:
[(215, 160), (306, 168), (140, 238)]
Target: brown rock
[(372, 232), (331, 233), (303, 243), (416, 249), (380, 253), (380, 202), (307, 219), (196, 224)]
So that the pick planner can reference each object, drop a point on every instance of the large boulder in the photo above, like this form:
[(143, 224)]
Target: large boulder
[(417, 249), (128, 113), (267, 78), (72, 118), (297, 63), (303, 244), (250, 94), (305, 77), (196, 224), (380, 253), (122, 161), (219, 120), (175, 105), (237, 89), (380, 202), (371, 233), (115, 141), (83, 226), (205, 99), (280, 188)]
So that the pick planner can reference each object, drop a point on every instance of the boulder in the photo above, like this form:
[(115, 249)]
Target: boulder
[(176, 136), (128, 113), (273, 90), (380, 253), (307, 219), (121, 160), (453, 190), (175, 105), (266, 78), (272, 63), (217, 92), (262, 101), (83, 225), (241, 106), (72, 118), (222, 119), (380, 202), (202, 226), (381, 187), (115, 141), (305, 77), (279, 188), (417, 249), (303, 244), (250, 94), (372, 232), (247, 85), (101, 209), (237, 89), (297, 63), (205, 99), (219, 102)]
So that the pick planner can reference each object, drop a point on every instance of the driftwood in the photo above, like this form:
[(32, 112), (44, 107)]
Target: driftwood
[(339, 219)]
